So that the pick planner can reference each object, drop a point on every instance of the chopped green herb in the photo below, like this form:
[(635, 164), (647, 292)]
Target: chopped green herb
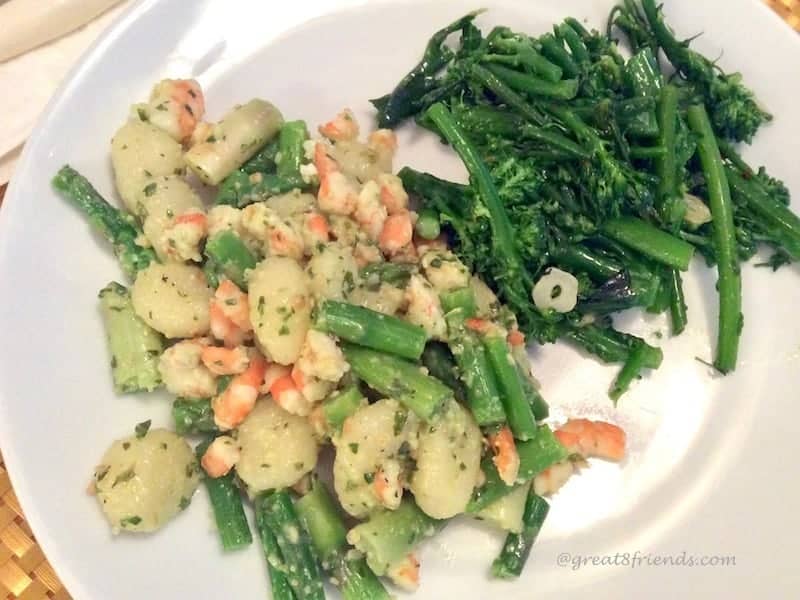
[(142, 428)]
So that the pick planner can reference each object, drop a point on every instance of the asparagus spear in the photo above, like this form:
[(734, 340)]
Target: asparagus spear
[(262, 161), (278, 515), (399, 379), (230, 257), (226, 503), (192, 416), (117, 226), (515, 403), (290, 149), (390, 535), (535, 455), (135, 348), (240, 189), (276, 568), (518, 546), (341, 405), (328, 535), (477, 375), (371, 329), (441, 364)]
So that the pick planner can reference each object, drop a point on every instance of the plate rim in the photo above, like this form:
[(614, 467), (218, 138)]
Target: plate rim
[(12, 451)]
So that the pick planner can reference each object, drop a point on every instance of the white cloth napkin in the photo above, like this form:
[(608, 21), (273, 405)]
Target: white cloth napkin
[(30, 79)]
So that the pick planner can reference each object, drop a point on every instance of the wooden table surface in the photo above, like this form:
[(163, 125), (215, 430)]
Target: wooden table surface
[(25, 573)]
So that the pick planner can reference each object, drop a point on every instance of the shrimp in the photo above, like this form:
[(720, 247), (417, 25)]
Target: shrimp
[(229, 314), (313, 388), (506, 458), (387, 484), (342, 127), (320, 357), (274, 372), (366, 252), (383, 143), (220, 456), (592, 438), (183, 372), (176, 106), (424, 307), (315, 231), (551, 479), (393, 195), (483, 326), (424, 246), (405, 573), (383, 140), (516, 338), (183, 237), (319, 422), (284, 239), (225, 361), (233, 405), (396, 233), (370, 212), (286, 394), (337, 193)]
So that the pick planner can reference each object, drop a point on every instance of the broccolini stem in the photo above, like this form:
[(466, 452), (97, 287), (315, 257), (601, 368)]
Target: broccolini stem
[(723, 234), (553, 49), (775, 214), (517, 282), (646, 152), (576, 256), (524, 55), (576, 46), (677, 303), (610, 345), (650, 241), (666, 167), (507, 95), (530, 84), (630, 371)]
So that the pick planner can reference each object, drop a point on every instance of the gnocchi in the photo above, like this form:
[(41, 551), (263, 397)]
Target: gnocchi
[(143, 481), (276, 448)]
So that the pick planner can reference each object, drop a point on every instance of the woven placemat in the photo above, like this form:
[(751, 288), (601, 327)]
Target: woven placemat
[(25, 573)]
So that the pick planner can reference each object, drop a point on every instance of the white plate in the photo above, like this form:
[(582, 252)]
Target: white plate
[(711, 467)]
